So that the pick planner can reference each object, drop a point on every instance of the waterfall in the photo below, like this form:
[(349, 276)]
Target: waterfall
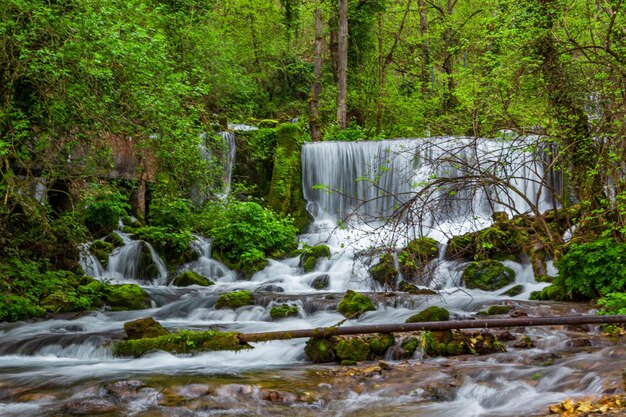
[(228, 161), (225, 154), (444, 180)]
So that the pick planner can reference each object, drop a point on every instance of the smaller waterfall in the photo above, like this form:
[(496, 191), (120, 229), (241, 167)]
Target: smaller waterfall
[(139, 261), (222, 153)]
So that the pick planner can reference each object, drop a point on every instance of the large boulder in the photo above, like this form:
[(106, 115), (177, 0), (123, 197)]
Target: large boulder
[(188, 278), (126, 297), (487, 275), (432, 313), (235, 299), (385, 272), (310, 255)]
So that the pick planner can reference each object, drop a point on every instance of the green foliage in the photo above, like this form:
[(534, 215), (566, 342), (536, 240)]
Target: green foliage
[(170, 213), (613, 303), (104, 205), (173, 246), (351, 133), (244, 234), (592, 269), (235, 299), (353, 304)]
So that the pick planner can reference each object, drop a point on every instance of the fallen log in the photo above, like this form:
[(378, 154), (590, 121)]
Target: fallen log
[(433, 325)]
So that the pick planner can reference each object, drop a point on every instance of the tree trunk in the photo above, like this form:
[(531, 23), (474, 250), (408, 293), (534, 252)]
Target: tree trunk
[(425, 62), (314, 103), (433, 325), (333, 45), (342, 66)]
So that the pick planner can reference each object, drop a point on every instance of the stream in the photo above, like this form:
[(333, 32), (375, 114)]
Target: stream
[(64, 366)]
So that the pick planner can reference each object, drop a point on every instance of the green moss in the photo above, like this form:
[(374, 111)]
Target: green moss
[(502, 240), (352, 349), (551, 292), (182, 342), (235, 299), (544, 278), (283, 310), (498, 310), (144, 328), (410, 345), (321, 282), (126, 297), (354, 304), (385, 272), (321, 349), (487, 275), (114, 239), (101, 250), (417, 254), (379, 343), (309, 255), (172, 246), (188, 278), (432, 313), (514, 290)]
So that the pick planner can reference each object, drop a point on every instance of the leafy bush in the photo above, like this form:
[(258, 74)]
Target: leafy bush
[(104, 205), (244, 234), (171, 213), (613, 303), (593, 269), (171, 245)]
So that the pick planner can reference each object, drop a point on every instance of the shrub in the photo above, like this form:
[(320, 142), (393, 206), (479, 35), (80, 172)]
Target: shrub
[(171, 213), (104, 205), (593, 269)]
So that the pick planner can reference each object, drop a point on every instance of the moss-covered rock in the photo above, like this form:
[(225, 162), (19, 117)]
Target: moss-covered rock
[(379, 343), (144, 328), (353, 349), (551, 292), (504, 240), (321, 349), (126, 297), (385, 272), (414, 258), (309, 256), (283, 310), (188, 278), (498, 310), (432, 313), (514, 290), (321, 282), (172, 246), (409, 345), (101, 250), (451, 343), (114, 239), (487, 275), (353, 304), (181, 342), (285, 194), (235, 299), (414, 289)]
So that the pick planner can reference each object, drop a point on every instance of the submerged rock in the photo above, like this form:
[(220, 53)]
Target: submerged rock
[(514, 291), (487, 275), (354, 304), (321, 282), (144, 328), (414, 289), (188, 278)]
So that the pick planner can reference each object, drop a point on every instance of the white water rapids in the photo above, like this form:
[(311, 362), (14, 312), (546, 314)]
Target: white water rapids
[(69, 357)]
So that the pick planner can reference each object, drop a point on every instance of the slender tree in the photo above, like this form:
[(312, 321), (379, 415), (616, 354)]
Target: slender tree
[(314, 102), (342, 66)]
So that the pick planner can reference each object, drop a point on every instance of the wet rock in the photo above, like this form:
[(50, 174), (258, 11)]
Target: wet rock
[(432, 313), (525, 342), (504, 335), (193, 391), (310, 255), (414, 289), (273, 396), (126, 297), (518, 313), (235, 299), (379, 343), (579, 342), (124, 390), (439, 393), (321, 282), (283, 310), (321, 349), (487, 275), (353, 304), (543, 359), (352, 350), (498, 310), (514, 291), (101, 249), (551, 292), (385, 272), (88, 406), (188, 278), (144, 328), (270, 288), (415, 257)]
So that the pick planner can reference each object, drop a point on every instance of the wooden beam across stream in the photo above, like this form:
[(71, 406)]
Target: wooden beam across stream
[(433, 325)]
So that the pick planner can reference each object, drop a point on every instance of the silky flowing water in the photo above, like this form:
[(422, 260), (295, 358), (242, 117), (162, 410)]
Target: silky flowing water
[(64, 366)]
